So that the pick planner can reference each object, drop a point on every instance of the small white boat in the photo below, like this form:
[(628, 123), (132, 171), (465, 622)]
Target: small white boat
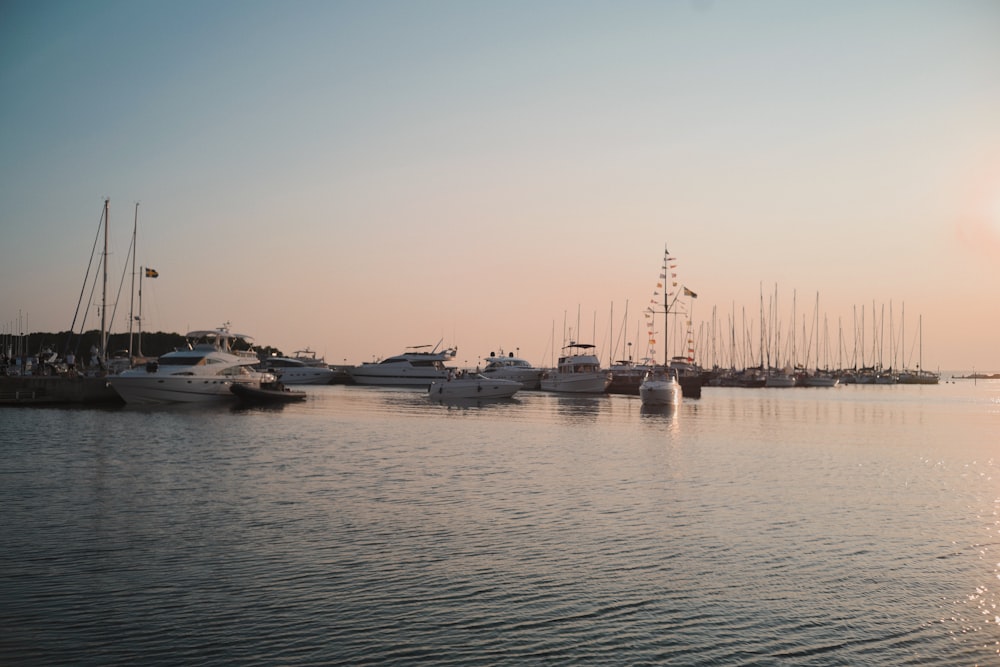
[(473, 385), (577, 373), (203, 372), (512, 368), (660, 387), (413, 368)]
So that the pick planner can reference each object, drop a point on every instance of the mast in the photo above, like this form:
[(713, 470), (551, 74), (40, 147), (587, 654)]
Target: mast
[(667, 280), (142, 271), (104, 293), (920, 330), (131, 313), (817, 332)]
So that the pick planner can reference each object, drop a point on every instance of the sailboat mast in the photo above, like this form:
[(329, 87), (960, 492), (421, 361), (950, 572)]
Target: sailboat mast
[(666, 307), (138, 351), (131, 300), (104, 293), (920, 329)]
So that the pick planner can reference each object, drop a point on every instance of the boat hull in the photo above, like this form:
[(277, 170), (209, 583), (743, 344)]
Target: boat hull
[(576, 383), (527, 378), (253, 393), (177, 389), (781, 380), (404, 377), (660, 392), (819, 381)]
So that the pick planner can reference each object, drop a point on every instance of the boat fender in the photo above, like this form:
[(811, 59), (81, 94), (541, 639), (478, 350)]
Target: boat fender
[(479, 387), (151, 366), (440, 390)]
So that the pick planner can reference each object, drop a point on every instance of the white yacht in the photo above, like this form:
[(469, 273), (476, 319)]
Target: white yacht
[(512, 368), (660, 387), (203, 372), (293, 370), (578, 373), (472, 386), (413, 368)]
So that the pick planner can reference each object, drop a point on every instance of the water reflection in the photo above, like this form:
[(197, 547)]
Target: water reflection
[(472, 403), (579, 408), (663, 412)]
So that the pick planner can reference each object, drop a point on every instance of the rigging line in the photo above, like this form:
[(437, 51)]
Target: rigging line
[(121, 285), (90, 263)]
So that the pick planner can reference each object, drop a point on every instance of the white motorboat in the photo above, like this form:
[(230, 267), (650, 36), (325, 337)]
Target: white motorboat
[(474, 386), (413, 368), (660, 387), (577, 373), (292, 370), (512, 368), (201, 373)]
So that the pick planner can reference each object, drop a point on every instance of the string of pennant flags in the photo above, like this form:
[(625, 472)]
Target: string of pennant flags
[(669, 285)]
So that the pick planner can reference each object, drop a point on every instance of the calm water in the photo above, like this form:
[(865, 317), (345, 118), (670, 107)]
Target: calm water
[(847, 526)]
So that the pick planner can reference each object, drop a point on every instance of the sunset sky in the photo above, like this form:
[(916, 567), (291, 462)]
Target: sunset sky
[(360, 177)]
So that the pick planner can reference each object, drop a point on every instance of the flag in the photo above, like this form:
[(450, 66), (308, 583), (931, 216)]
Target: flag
[(689, 293), (152, 273)]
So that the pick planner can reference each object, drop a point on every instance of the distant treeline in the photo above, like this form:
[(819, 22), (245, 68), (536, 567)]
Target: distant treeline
[(153, 344)]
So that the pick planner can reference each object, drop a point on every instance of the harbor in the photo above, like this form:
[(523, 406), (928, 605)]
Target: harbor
[(498, 334)]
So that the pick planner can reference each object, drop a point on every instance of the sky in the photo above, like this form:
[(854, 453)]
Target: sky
[(361, 177)]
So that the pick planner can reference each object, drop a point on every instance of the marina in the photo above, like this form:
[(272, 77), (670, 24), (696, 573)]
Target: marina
[(485, 416)]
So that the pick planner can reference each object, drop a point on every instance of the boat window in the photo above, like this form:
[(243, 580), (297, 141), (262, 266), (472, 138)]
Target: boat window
[(182, 360)]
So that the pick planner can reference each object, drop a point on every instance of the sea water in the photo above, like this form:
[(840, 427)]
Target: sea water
[(856, 525)]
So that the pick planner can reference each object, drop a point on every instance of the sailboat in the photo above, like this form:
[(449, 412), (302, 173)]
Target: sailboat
[(660, 386), (68, 384), (818, 378), (920, 376)]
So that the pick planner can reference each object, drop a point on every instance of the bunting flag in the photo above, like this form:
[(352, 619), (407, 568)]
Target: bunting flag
[(152, 273), (689, 293)]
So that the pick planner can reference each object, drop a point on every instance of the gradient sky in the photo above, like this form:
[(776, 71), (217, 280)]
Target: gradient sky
[(359, 177)]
